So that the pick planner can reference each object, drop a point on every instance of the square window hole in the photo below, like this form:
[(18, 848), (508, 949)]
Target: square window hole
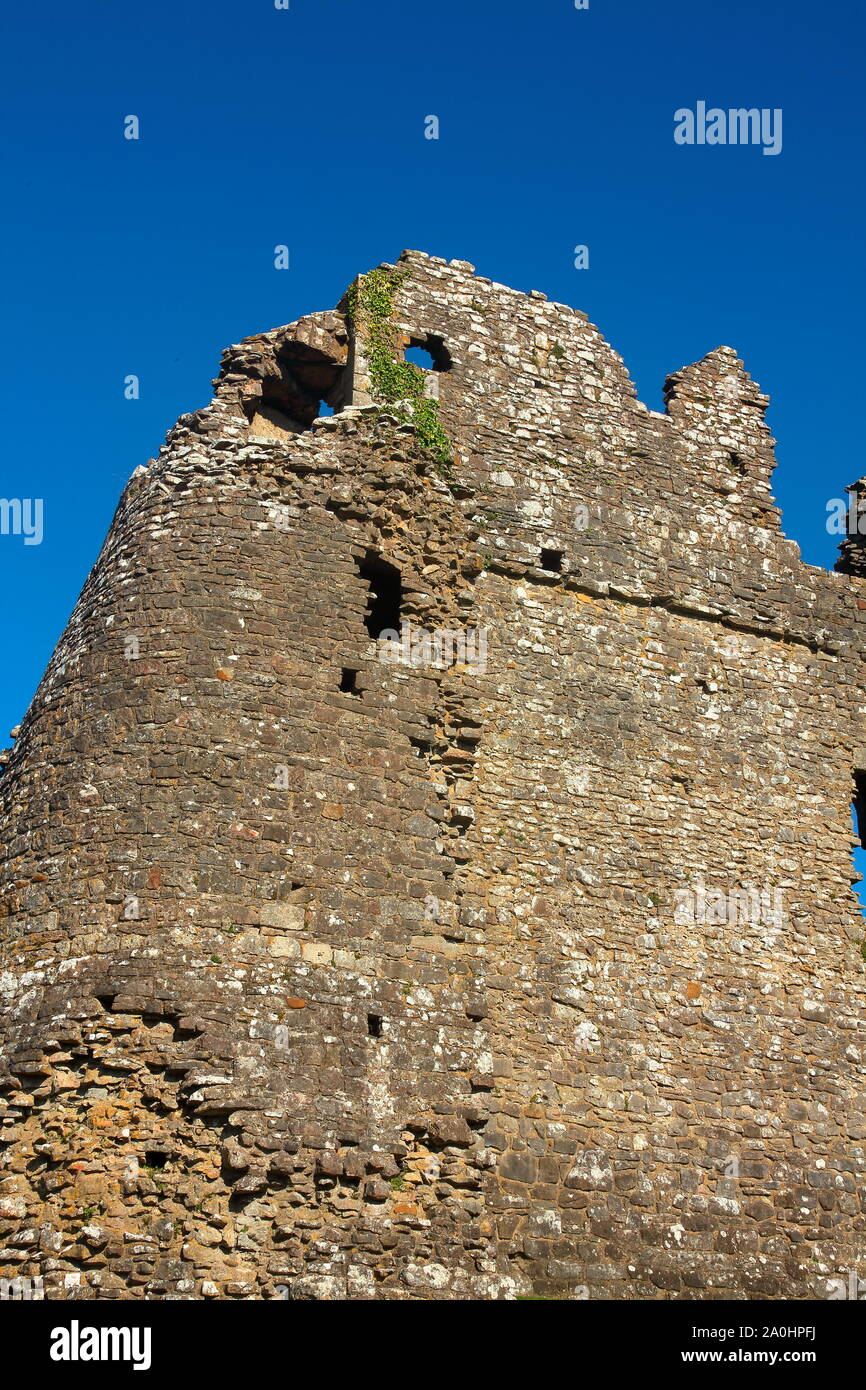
[(348, 681), (429, 353), (552, 560)]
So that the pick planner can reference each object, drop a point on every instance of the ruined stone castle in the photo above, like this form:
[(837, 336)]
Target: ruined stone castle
[(426, 862)]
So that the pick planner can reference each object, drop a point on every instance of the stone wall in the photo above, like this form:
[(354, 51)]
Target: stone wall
[(332, 976)]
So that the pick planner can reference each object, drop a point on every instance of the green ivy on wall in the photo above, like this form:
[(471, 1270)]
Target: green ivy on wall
[(393, 381)]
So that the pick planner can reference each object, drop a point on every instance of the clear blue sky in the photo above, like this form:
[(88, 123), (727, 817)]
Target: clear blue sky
[(306, 127)]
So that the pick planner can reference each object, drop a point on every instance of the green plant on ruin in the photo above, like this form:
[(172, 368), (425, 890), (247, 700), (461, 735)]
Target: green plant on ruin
[(392, 380)]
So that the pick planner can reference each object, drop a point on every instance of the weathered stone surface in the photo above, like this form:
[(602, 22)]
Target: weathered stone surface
[(359, 977)]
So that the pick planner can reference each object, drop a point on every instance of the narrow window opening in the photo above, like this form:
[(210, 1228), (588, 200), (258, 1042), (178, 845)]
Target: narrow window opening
[(429, 353), (552, 560), (155, 1158), (386, 595), (374, 1025), (348, 682)]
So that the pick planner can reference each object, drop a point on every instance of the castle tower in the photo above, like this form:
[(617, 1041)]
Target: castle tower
[(511, 953)]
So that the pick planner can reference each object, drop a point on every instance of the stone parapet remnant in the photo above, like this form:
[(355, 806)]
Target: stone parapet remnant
[(511, 953)]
